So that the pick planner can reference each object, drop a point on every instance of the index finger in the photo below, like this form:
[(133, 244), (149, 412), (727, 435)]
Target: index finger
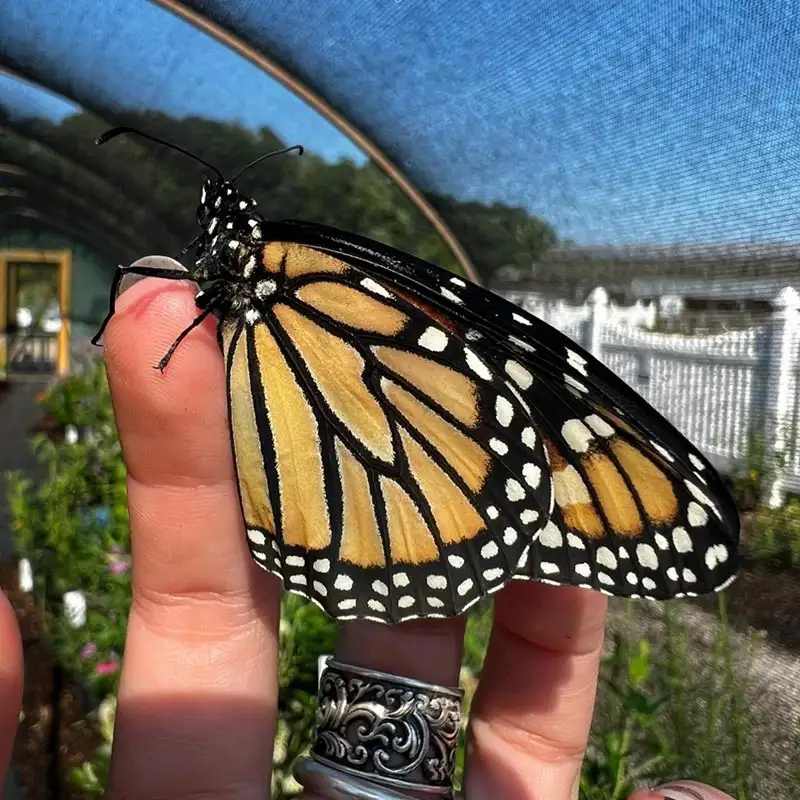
[(198, 690)]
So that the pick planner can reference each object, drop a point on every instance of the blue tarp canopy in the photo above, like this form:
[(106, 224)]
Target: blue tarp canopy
[(616, 123)]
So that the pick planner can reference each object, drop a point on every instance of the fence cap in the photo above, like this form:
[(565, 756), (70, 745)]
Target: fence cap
[(598, 297), (788, 297)]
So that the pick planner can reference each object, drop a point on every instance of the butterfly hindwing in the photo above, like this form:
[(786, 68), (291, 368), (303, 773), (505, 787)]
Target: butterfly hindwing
[(655, 519)]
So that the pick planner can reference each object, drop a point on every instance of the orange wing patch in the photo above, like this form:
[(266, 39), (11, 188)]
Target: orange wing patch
[(299, 260), (352, 308), (653, 489), (249, 460), (337, 370), (452, 390), (410, 539), (464, 455), (304, 511), (455, 516), (361, 538)]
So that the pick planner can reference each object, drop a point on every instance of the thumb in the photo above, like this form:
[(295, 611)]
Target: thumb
[(10, 681), (681, 790)]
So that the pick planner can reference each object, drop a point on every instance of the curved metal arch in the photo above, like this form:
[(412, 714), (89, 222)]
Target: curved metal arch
[(292, 84), (88, 226), (45, 169), (127, 192), (92, 239), (31, 185)]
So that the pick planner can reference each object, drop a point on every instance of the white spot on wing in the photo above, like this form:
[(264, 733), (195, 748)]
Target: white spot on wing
[(521, 376), (576, 361), (489, 550), (379, 587), (519, 318), (647, 556), (509, 537), (256, 537), (577, 435), (476, 365), (457, 282), (606, 558), (437, 581), (548, 568), (532, 475), (696, 515), (599, 425), (344, 583), (322, 565), (528, 516), (576, 384), (265, 288), (504, 411), (514, 490), (551, 536), (451, 296), (455, 561), (583, 569), (375, 288), (433, 339), (522, 344), (401, 579), (529, 438), (575, 541), (696, 462), (682, 540), (465, 587), (501, 448)]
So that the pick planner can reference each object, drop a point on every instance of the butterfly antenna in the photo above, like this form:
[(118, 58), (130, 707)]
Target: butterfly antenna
[(298, 147), (114, 132)]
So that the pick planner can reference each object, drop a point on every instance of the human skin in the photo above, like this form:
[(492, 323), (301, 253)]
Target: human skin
[(197, 701)]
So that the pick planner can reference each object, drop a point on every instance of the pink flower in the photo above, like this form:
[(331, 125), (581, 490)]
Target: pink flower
[(88, 650), (108, 667), (118, 563), (119, 567)]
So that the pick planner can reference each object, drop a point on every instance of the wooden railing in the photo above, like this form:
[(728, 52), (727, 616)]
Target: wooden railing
[(29, 354)]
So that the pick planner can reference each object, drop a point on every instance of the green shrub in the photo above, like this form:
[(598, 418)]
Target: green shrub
[(662, 711), (775, 537)]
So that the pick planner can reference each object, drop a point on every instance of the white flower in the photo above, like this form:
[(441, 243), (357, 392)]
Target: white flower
[(75, 608), (25, 575), (71, 434)]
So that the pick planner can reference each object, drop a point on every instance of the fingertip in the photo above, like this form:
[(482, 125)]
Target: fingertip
[(171, 422)]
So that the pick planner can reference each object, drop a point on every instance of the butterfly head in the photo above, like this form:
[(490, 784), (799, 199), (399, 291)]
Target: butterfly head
[(231, 229)]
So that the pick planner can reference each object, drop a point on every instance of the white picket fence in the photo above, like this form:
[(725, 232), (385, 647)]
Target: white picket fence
[(718, 390)]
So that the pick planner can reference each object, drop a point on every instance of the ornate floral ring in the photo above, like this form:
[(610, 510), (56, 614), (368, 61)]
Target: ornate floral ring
[(385, 729)]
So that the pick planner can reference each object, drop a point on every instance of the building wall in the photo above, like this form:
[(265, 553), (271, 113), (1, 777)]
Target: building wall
[(91, 276)]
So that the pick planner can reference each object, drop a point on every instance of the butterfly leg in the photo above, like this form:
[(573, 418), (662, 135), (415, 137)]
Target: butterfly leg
[(122, 271), (196, 322)]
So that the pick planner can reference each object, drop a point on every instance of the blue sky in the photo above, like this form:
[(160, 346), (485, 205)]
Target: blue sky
[(630, 121)]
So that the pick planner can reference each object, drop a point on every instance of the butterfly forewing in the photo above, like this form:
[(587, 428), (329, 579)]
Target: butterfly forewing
[(387, 470)]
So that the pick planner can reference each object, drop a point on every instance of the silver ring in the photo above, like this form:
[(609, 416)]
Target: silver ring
[(385, 729), (333, 785)]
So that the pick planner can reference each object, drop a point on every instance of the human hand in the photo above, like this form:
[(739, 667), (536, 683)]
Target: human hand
[(198, 693)]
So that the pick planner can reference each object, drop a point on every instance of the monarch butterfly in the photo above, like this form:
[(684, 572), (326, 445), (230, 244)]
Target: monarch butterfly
[(407, 442)]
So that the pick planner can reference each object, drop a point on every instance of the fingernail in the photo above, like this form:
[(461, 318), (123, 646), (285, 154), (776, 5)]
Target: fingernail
[(153, 262), (677, 791)]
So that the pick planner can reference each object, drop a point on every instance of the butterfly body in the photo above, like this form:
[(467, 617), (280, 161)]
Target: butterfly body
[(407, 443)]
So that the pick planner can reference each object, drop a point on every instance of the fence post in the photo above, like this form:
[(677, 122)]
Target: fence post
[(598, 317), (780, 391)]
